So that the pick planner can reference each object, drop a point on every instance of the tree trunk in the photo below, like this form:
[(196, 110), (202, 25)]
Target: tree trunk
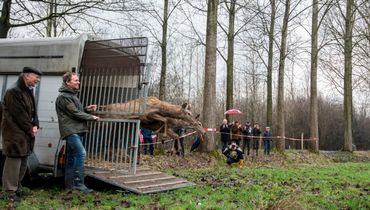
[(348, 76), (230, 57), (162, 83), (4, 18), (269, 65), (280, 99), (314, 124), (209, 96)]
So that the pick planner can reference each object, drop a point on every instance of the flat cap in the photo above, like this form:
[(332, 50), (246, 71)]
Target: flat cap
[(31, 70)]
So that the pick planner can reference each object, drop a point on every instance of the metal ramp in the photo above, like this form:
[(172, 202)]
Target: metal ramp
[(145, 180)]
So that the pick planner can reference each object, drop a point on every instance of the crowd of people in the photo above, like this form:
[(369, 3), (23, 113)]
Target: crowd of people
[(239, 138)]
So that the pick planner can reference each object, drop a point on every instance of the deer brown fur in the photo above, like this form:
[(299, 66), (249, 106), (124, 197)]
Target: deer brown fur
[(160, 116)]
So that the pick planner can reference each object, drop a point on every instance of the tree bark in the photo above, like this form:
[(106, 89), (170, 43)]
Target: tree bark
[(280, 99), (269, 65), (162, 83), (209, 96), (314, 124), (230, 57), (348, 76), (5, 18)]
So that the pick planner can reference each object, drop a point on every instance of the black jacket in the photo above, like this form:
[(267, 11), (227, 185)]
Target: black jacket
[(19, 116), (71, 115), (225, 133)]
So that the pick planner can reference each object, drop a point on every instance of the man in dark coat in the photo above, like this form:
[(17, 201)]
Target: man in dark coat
[(19, 128), (72, 119), (225, 134), (247, 133), (256, 137)]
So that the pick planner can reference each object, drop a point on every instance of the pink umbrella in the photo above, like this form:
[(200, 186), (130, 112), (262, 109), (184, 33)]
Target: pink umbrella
[(233, 112)]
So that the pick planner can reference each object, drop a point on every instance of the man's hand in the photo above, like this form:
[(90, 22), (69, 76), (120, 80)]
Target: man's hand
[(96, 117), (91, 108), (34, 131)]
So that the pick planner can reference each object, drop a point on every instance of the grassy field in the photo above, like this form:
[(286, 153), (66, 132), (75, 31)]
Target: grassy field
[(292, 181)]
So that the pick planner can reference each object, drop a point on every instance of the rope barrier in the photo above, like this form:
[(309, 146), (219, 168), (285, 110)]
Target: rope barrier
[(272, 137), (168, 140), (248, 136)]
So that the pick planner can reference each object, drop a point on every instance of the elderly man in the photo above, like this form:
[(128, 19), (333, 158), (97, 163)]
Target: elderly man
[(19, 128)]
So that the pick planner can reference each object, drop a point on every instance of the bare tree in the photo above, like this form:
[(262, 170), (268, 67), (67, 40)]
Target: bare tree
[(162, 83), (209, 97), (230, 55), (27, 13), (314, 124), (280, 98), (269, 65), (349, 19)]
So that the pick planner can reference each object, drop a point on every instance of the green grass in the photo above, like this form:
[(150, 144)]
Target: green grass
[(334, 186)]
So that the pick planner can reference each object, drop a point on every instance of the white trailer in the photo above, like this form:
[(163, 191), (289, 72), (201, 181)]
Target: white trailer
[(110, 71)]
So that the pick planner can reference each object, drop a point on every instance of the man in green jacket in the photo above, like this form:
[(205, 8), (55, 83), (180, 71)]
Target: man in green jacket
[(19, 128), (72, 118)]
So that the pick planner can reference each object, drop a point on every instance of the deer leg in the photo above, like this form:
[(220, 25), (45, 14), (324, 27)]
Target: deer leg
[(155, 116)]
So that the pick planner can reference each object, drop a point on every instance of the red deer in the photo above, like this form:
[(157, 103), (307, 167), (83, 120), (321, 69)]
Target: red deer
[(160, 116)]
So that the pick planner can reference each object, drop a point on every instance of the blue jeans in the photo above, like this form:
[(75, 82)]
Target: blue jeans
[(74, 170), (267, 146), (151, 146)]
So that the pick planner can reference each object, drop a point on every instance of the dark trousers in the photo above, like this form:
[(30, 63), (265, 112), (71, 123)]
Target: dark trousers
[(150, 146), (246, 143), (231, 160), (224, 145), (266, 146), (256, 144), (179, 148)]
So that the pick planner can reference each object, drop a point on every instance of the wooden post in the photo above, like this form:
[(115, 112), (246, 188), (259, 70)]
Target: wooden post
[(302, 141)]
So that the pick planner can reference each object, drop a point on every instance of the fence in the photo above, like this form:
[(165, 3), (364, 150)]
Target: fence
[(113, 145)]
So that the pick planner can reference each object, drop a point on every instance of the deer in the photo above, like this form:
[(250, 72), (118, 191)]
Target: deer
[(157, 112), (161, 117)]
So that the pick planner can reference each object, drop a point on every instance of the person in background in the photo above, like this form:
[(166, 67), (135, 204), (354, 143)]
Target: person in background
[(247, 133), (267, 139), (147, 135), (19, 128), (179, 143), (236, 132), (234, 154), (72, 118), (225, 134), (256, 137)]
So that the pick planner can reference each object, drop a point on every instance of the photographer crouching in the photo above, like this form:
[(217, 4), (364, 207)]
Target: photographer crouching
[(234, 154)]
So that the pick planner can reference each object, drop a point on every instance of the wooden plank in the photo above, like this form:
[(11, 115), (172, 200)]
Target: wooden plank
[(137, 175), (156, 190), (102, 172), (163, 184), (149, 180)]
